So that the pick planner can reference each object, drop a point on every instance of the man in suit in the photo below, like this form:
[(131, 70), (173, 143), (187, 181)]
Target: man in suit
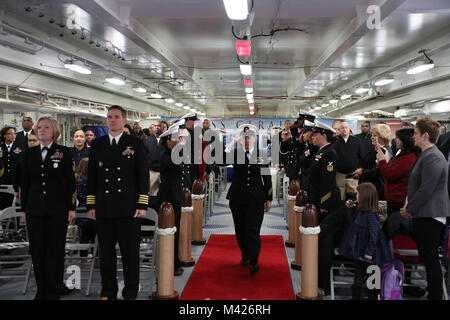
[(22, 136), (250, 194), (427, 201), (152, 156), (366, 139), (117, 195)]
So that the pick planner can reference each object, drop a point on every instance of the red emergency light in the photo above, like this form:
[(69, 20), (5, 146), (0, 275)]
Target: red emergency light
[(243, 48)]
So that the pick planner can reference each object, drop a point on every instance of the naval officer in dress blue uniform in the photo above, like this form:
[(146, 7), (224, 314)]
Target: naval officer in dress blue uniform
[(48, 199), (118, 184), (325, 195), (250, 193)]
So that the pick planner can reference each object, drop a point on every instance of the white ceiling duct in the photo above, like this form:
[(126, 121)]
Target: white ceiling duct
[(437, 107)]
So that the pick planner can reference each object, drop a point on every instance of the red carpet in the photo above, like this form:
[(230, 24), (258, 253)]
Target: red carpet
[(218, 274)]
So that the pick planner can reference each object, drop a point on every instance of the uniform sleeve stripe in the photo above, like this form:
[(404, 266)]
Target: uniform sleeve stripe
[(325, 197)]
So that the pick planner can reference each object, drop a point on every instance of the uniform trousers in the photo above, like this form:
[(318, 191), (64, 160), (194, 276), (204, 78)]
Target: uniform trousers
[(427, 233), (247, 219), (47, 236), (332, 227), (126, 232)]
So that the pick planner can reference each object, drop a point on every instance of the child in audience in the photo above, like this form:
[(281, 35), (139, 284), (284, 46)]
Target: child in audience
[(364, 242), (86, 225)]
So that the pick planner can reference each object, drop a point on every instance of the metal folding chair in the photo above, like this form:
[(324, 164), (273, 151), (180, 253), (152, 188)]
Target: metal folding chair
[(13, 264)]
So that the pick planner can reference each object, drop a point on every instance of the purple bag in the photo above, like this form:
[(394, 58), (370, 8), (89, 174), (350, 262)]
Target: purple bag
[(392, 277)]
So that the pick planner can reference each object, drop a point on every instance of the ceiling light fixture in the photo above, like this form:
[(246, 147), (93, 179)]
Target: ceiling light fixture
[(324, 105), (156, 95), (28, 90), (334, 101), (169, 100), (248, 90), (361, 90), (140, 89), (249, 96), (115, 81), (186, 107), (179, 104), (384, 81), (422, 65), (251, 100), (345, 96), (246, 69), (236, 9), (77, 67)]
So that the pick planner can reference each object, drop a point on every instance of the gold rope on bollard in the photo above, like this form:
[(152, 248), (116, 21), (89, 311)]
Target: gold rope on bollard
[(300, 202), (185, 247), (310, 251), (166, 250), (294, 188)]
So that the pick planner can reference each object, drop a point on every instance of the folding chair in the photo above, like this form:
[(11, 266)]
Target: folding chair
[(73, 245), (345, 269), (14, 263), (146, 247), (405, 249)]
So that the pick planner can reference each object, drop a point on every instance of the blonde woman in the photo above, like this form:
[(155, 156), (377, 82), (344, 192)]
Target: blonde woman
[(48, 201), (369, 170)]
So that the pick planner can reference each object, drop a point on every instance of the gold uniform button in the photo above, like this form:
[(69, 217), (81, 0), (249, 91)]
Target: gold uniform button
[(43, 183), (118, 179), (249, 166), (106, 191), (248, 171), (119, 190), (44, 192), (106, 180), (248, 185), (42, 174), (42, 165), (106, 169), (118, 168)]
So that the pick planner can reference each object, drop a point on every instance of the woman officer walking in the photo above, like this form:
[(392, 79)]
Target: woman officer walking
[(48, 200), (325, 195)]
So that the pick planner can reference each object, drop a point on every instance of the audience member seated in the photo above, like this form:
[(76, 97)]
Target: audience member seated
[(86, 225)]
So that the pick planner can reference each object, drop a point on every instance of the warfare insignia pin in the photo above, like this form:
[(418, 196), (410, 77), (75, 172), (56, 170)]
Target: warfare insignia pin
[(330, 166)]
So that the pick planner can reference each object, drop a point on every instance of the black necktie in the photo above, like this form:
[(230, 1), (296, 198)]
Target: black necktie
[(44, 148), (114, 144), (26, 136), (247, 154)]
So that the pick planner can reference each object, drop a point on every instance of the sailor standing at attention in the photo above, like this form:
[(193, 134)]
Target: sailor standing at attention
[(118, 184)]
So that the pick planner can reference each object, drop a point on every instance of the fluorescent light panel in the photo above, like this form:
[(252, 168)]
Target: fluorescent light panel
[(383, 82), (420, 68), (246, 69), (77, 68), (236, 9), (115, 81)]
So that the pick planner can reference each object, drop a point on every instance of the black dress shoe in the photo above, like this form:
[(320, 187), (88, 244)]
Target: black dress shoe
[(254, 268), (178, 272), (244, 262), (65, 291)]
